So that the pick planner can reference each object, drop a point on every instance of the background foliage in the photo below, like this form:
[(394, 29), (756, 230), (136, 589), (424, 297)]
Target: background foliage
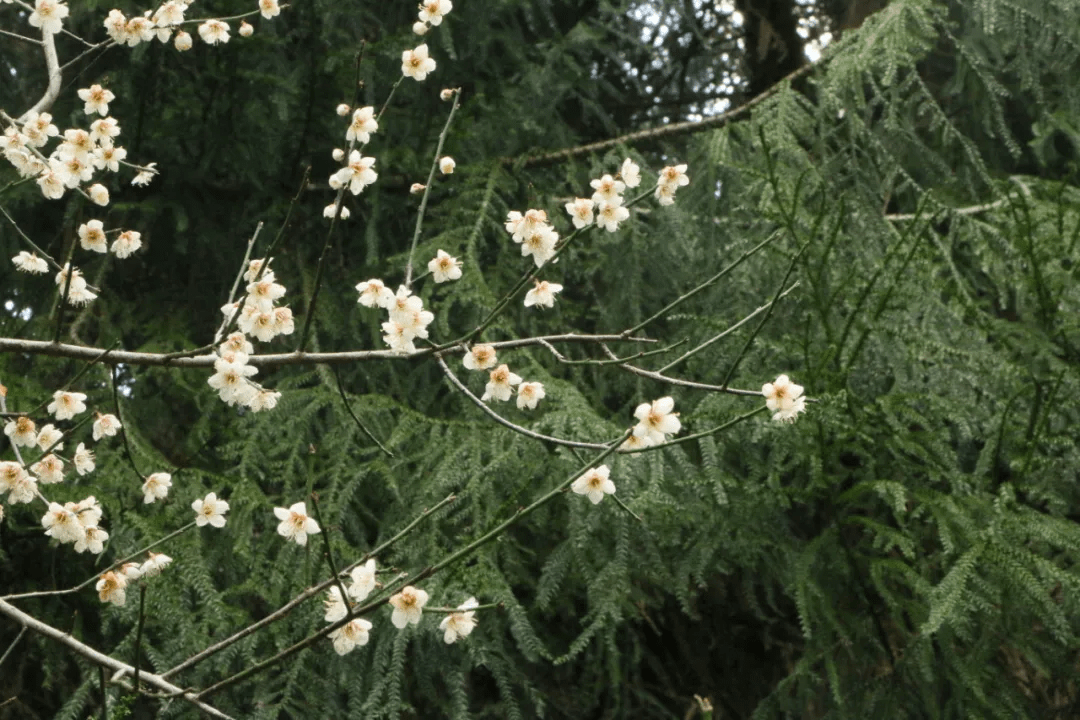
[(907, 549)]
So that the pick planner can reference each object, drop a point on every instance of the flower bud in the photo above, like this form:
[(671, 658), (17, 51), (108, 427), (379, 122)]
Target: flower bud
[(98, 194), (246, 29), (447, 94), (446, 165), (416, 189), (343, 109), (182, 41), (339, 154), (420, 28)]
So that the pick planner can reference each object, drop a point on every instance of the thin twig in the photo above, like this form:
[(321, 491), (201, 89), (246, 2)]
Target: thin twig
[(506, 423), (12, 645), (427, 190), (330, 554), (624, 506), (138, 635), (20, 37), (680, 382), (345, 402)]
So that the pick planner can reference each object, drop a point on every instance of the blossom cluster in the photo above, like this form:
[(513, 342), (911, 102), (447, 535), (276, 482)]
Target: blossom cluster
[(355, 632), (164, 24), (501, 382), (408, 320), (112, 585)]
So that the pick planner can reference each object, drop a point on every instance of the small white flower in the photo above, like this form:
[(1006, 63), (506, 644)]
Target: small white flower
[(156, 487), (674, 175), (609, 215), (97, 100), (93, 539), (444, 267), (50, 437), (84, 460), (23, 489), (581, 211), (210, 510), (608, 189), (29, 262), (48, 15), (540, 244), (66, 405), (416, 63), (530, 393), (334, 606), (362, 125), (353, 633), (87, 510), (295, 524), (408, 606), (105, 425), (543, 294), (630, 173), (111, 588), (458, 625), (373, 293), (264, 400), (784, 398), (49, 469), (357, 175), (182, 41), (432, 11), (11, 473), (500, 384), (145, 176), (595, 483), (363, 581), (22, 431), (214, 31), (245, 29), (155, 564), (656, 420), (92, 236), (269, 8), (447, 165), (62, 524), (126, 243), (480, 357), (99, 195)]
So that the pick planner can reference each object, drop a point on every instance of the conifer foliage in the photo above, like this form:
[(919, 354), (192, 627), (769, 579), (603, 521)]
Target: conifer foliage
[(341, 380)]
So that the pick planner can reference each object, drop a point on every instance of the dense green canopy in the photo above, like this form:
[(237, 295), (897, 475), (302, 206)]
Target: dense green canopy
[(906, 549)]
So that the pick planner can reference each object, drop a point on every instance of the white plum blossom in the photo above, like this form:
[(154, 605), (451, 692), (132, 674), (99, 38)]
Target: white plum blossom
[(609, 215), (581, 211), (29, 262), (48, 15), (543, 294), (246, 29), (264, 400), (595, 483), (111, 588), (66, 405), (11, 473), (62, 524), (608, 189), (105, 425), (444, 267), (432, 11), (362, 125), (84, 460), (530, 393), (269, 8), (416, 64), (363, 580), (373, 293), (480, 357), (295, 524), (155, 563), (210, 510), (656, 420), (671, 179), (92, 236), (50, 437), (182, 41), (22, 489), (447, 165), (22, 431), (353, 633), (97, 98), (156, 487), (343, 109), (334, 606), (93, 539), (357, 175), (131, 570), (784, 398), (99, 195), (146, 174), (500, 384), (49, 469), (540, 244), (214, 31), (630, 173), (231, 380), (126, 243), (87, 510), (408, 606), (331, 210), (458, 625)]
